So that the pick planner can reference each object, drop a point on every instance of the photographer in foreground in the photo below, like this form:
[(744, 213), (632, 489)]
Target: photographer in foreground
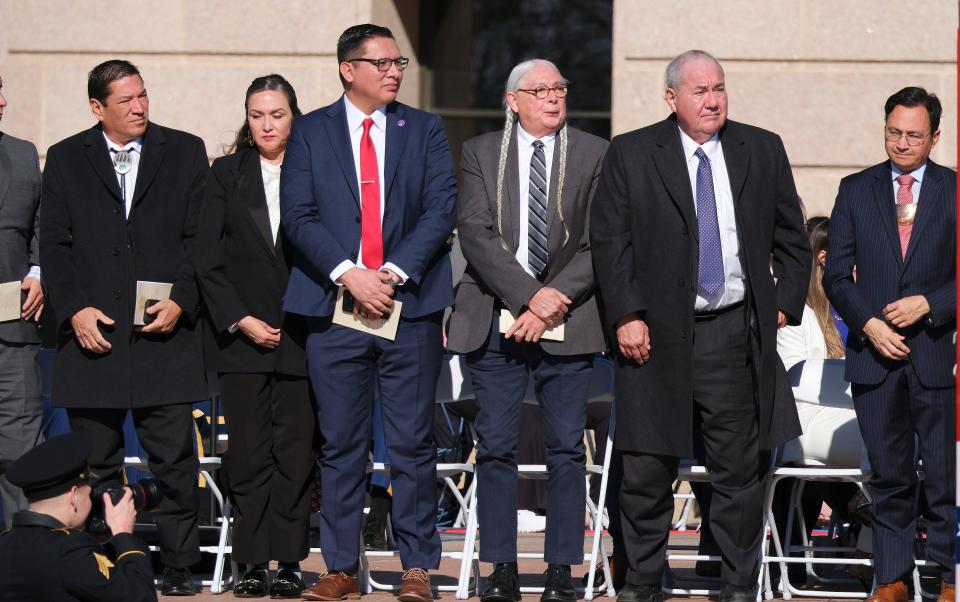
[(45, 555)]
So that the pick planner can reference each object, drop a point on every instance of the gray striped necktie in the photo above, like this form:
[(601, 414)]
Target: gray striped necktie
[(537, 235)]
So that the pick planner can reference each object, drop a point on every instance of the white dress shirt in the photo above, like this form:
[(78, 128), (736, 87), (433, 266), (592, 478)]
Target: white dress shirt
[(378, 134), (732, 290), (271, 190), (917, 180), (524, 156), (135, 149)]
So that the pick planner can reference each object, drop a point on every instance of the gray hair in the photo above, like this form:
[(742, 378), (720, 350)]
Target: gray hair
[(671, 78), (512, 85)]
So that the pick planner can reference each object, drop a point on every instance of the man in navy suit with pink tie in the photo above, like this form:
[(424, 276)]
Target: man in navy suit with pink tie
[(895, 224), (367, 197)]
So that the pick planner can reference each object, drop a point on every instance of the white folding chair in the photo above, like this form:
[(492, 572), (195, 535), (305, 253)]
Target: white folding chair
[(603, 380), (451, 386), (208, 466), (815, 382)]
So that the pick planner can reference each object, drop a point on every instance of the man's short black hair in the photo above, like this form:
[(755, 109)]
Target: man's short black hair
[(352, 39), (104, 74), (912, 96)]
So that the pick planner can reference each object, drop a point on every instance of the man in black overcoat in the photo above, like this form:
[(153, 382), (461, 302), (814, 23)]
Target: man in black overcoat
[(120, 206), (700, 254)]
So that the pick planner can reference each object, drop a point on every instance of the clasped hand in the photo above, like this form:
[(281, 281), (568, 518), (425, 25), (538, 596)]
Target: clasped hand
[(633, 338), (372, 291)]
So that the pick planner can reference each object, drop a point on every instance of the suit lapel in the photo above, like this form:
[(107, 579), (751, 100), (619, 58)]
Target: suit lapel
[(250, 185), (337, 132), (99, 157), (153, 149), (928, 204), (395, 143), (6, 173), (672, 168), (736, 155), (512, 213), (886, 207)]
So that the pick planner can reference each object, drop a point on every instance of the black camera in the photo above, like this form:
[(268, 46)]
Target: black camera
[(146, 497), (146, 494)]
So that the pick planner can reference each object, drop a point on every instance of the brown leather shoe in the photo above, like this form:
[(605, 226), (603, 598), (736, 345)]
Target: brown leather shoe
[(890, 592), (415, 587), (335, 585), (947, 593)]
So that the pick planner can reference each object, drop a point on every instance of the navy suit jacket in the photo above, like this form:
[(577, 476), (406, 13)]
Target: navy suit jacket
[(863, 233), (320, 208)]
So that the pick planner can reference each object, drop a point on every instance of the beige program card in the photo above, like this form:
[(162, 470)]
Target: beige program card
[(554, 333), (386, 328), (10, 301), (148, 290)]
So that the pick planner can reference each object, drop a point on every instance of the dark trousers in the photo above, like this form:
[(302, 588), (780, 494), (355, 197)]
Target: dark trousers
[(499, 374), (343, 363), (723, 403), (892, 415), (167, 435), (269, 464), (21, 416)]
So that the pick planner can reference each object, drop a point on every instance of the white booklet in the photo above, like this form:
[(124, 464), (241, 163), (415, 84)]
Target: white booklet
[(148, 291), (10, 304), (553, 333), (381, 327)]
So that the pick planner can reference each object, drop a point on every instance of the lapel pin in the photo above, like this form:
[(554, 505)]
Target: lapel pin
[(401, 123)]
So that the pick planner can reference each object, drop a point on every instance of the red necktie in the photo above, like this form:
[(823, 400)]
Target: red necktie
[(371, 238), (905, 197)]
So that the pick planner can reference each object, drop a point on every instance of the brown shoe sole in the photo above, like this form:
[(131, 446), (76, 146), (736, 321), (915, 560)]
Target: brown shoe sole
[(311, 596), (410, 597)]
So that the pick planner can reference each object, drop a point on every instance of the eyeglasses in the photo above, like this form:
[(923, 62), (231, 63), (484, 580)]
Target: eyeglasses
[(541, 92), (384, 64), (913, 138)]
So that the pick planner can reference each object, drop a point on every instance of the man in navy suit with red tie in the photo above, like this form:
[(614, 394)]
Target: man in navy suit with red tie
[(895, 224), (367, 196)]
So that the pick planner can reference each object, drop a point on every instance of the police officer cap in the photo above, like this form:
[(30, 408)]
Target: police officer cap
[(52, 468)]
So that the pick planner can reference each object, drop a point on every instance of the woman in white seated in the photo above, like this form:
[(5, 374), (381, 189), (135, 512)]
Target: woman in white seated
[(831, 435)]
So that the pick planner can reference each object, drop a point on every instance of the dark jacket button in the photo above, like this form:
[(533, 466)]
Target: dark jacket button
[(357, 219), (353, 256), (116, 294), (116, 251), (681, 283)]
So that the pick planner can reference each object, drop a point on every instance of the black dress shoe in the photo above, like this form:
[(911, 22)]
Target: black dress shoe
[(177, 582), (286, 584), (640, 593), (558, 586), (375, 535), (503, 584), (253, 585), (731, 593)]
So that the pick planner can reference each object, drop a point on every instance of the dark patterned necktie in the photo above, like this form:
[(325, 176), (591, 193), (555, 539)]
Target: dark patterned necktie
[(537, 235), (711, 251)]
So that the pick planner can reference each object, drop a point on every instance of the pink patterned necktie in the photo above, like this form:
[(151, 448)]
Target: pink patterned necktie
[(905, 197)]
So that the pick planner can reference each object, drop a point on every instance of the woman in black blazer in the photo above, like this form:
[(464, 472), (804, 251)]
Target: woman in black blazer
[(256, 349)]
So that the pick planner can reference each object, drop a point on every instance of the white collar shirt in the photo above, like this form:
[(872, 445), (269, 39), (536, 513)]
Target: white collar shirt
[(270, 173), (733, 288), (917, 174), (128, 181), (524, 156), (378, 134)]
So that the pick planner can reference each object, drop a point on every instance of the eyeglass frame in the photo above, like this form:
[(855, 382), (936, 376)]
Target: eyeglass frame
[(546, 91), (915, 141), (389, 62)]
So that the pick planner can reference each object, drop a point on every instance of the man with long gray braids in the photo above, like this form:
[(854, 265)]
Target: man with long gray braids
[(526, 307)]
